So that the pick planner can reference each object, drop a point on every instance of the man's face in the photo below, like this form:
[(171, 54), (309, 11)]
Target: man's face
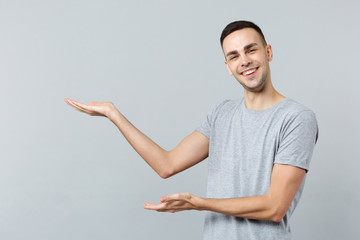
[(247, 59)]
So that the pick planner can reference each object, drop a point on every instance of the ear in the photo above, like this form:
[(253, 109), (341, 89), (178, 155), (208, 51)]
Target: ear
[(228, 68), (269, 52)]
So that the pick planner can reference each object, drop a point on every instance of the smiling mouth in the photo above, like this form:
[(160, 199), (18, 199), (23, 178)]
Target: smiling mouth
[(249, 72)]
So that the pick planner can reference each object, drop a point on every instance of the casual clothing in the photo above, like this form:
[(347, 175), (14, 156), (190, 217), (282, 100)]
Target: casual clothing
[(244, 145)]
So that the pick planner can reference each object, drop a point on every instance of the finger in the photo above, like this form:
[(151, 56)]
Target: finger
[(169, 211), (80, 106), (157, 207), (151, 206), (169, 198), (76, 107), (167, 207), (147, 204), (175, 197), (83, 106), (68, 101)]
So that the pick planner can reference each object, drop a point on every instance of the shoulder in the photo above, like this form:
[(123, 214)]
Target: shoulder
[(292, 110), (229, 104), (222, 109), (225, 105), (297, 116)]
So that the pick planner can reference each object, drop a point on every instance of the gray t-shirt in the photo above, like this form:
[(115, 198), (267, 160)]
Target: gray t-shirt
[(244, 145)]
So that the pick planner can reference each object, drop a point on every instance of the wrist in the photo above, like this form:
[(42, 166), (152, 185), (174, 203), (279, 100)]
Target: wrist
[(198, 203), (113, 114)]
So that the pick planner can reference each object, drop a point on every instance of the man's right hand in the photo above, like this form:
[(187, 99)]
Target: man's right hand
[(104, 109)]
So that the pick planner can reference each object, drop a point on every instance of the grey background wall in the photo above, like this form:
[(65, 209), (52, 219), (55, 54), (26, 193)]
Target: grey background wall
[(65, 175)]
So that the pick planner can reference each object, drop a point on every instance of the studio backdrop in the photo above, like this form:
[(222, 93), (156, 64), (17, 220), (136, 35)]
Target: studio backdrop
[(66, 175)]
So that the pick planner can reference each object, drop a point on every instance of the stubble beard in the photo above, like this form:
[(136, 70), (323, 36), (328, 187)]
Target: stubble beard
[(259, 87)]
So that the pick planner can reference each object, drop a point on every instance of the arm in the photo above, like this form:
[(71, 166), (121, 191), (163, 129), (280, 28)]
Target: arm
[(191, 150), (285, 182)]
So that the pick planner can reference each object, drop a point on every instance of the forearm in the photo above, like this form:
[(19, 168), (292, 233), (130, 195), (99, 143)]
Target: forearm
[(257, 207), (152, 153), (285, 182)]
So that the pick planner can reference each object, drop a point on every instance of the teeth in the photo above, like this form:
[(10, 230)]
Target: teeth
[(249, 72)]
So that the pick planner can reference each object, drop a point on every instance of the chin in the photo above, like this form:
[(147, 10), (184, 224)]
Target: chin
[(257, 88)]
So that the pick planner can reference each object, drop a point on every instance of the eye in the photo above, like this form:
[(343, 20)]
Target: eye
[(252, 50), (233, 57)]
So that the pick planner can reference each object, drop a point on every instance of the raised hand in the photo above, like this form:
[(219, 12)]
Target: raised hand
[(104, 109)]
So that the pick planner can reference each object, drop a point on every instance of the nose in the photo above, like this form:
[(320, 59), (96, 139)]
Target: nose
[(245, 61)]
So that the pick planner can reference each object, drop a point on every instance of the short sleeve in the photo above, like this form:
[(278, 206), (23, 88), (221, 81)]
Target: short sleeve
[(298, 137), (206, 125)]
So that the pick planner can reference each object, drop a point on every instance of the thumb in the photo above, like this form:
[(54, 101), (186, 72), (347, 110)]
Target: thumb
[(93, 103)]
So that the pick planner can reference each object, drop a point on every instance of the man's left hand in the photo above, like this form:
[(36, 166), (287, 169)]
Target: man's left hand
[(174, 203)]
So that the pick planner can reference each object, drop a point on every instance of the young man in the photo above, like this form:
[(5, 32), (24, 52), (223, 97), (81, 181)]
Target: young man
[(259, 148)]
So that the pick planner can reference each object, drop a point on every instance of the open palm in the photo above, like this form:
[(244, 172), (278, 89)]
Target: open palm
[(93, 108)]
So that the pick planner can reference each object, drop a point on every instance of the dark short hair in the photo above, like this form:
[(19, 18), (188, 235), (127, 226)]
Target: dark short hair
[(238, 25)]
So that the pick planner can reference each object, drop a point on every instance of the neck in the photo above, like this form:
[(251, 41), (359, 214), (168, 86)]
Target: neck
[(263, 99)]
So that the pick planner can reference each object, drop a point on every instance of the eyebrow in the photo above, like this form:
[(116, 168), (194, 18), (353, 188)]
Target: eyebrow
[(247, 47)]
